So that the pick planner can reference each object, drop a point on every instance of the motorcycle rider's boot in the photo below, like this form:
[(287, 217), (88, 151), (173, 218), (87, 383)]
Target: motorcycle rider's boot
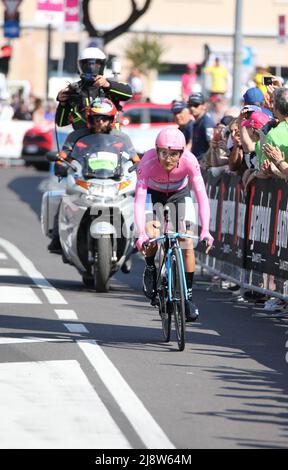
[(126, 266), (191, 311), (55, 246), (149, 281)]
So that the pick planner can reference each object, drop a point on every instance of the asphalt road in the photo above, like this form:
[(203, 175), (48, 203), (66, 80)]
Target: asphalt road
[(86, 370)]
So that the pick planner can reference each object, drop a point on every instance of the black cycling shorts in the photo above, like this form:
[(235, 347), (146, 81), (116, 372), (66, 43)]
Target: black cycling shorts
[(181, 208)]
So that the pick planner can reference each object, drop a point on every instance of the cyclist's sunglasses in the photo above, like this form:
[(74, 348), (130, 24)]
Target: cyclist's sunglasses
[(165, 153)]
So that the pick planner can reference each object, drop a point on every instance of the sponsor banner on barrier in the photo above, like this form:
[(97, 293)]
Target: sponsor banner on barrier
[(228, 214), (267, 228), (250, 231), (11, 137)]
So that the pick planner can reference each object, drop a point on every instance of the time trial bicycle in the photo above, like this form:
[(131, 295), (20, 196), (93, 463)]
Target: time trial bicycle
[(171, 292)]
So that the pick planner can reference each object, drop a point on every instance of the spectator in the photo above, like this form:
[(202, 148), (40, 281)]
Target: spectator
[(136, 84), (219, 78), (234, 144), (277, 137), (50, 111), (22, 112), (6, 110), (258, 78), (189, 81), (38, 113), (254, 96), (254, 125), (184, 121), (202, 126), (217, 158), (276, 164), (217, 108)]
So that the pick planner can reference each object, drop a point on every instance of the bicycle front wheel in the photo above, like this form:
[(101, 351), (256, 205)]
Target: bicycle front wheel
[(164, 310), (178, 299)]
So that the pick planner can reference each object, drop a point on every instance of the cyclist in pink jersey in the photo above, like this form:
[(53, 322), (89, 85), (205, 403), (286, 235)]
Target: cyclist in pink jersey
[(163, 177)]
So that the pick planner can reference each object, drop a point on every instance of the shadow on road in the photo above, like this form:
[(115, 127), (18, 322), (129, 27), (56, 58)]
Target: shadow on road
[(27, 189)]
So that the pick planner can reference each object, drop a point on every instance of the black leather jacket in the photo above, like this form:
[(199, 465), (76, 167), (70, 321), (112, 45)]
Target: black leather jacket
[(81, 96)]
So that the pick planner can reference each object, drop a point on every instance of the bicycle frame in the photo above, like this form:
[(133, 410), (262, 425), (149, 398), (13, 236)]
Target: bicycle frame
[(170, 240)]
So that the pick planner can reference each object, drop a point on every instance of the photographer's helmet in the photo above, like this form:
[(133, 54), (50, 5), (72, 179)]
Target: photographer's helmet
[(100, 107), (171, 138), (91, 61)]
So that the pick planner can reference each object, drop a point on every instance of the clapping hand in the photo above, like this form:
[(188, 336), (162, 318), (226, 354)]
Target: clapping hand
[(274, 154)]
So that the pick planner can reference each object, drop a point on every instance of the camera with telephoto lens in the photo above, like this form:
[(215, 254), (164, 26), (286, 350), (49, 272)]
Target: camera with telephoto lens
[(74, 91), (267, 81)]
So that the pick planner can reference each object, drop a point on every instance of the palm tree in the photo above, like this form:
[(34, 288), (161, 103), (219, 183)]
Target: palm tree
[(144, 51)]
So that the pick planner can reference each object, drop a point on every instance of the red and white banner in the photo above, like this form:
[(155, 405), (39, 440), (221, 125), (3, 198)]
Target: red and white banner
[(72, 16), (50, 11)]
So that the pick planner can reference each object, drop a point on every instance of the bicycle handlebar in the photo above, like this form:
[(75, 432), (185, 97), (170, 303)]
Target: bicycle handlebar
[(172, 235)]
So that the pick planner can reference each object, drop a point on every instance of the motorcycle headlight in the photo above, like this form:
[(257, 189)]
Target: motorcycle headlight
[(102, 190)]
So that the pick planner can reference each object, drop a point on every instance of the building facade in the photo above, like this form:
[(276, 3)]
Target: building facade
[(182, 26)]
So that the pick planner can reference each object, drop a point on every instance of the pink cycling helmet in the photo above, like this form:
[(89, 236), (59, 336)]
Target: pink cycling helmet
[(171, 138)]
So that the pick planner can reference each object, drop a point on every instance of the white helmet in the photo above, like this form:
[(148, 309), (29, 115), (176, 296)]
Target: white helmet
[(91, 61)]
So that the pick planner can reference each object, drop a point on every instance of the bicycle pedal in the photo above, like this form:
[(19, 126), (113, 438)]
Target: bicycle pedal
[(154, 302)]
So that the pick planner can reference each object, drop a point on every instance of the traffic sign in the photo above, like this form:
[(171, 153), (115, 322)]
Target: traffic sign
[(11, 7), (11, 26)]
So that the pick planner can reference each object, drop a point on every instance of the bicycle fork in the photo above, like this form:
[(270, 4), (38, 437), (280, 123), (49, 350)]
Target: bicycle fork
[(169, 270)]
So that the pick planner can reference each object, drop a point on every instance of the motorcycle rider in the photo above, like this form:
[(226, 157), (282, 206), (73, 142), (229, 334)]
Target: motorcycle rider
[(74, 99), (163, 177), (100, 118)]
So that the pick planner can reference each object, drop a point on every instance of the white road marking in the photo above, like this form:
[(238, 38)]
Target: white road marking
[(51, 404), (42, 415), (31, 339), (53, 296), (9, 272), (76, 328), (144, 424), (18, 295), (3, 256), (66, 314)]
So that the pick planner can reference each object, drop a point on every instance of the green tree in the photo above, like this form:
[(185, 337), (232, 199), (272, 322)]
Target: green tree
[(144, 52)]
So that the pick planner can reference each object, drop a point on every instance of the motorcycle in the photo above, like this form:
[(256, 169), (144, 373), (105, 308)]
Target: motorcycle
[(96, 217)]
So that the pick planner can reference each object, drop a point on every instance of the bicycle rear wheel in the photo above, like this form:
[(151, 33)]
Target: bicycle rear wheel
[(178, 299)]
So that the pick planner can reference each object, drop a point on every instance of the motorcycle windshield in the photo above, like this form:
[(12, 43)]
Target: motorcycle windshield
[(101, 155)]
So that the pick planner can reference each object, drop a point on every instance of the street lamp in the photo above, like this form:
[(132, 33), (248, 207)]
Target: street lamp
[(237, 55)]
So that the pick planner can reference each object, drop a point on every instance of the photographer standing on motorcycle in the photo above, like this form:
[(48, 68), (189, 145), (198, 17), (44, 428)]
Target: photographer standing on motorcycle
[(74, 99)]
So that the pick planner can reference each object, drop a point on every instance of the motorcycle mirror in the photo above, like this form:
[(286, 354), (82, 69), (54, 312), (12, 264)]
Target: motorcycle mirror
[(52, 156), (132, 168)]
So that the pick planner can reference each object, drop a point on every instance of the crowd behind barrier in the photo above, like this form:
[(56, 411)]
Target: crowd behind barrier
[(250, 231), (243, 154)]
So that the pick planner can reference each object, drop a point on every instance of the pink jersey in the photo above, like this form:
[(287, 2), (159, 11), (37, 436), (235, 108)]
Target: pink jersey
[(150, 174)]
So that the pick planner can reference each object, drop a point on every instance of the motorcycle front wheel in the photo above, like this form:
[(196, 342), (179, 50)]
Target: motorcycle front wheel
[(102, 265)]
